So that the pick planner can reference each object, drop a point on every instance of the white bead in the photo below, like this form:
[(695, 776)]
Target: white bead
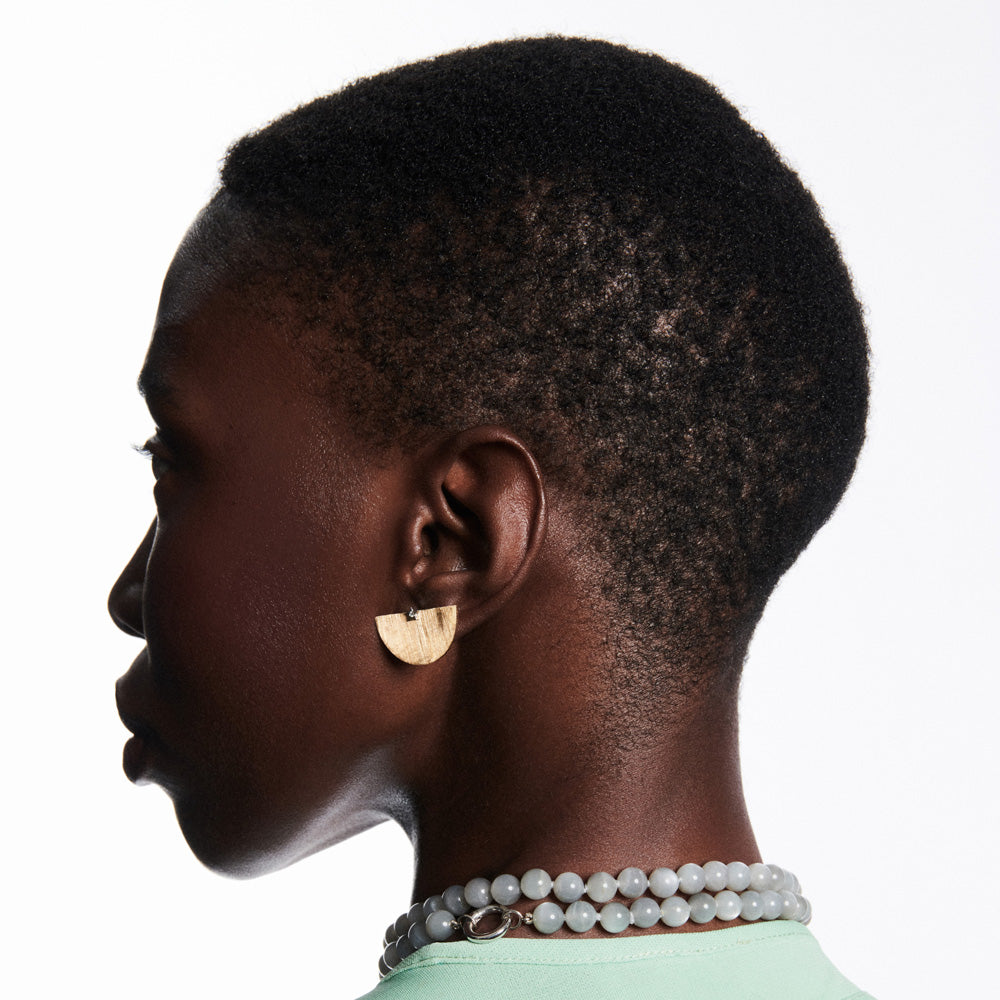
[(645, 912), (663, 882), (771, 903), (703, 907), (808, 914), (568, 887), (580, 916), (792, 881), (614, 917), (601, 887), (547, 918), (738, 876), (760, 877), (716, 875), (751, 908), (477, 892), (632, 882), (675, 911), (536, 883), (800, 907), (439, 925), (777, 878), (727, 905), (788, 904), (505, 890), (432, 904), (691, 878)]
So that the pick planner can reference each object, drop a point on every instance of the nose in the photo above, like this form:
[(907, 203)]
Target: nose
[(125, 599)]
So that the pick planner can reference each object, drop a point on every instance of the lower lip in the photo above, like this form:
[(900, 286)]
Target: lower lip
[(134, 758)]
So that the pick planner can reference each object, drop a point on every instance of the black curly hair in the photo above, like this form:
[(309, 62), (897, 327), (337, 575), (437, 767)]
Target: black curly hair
[(588, 245)]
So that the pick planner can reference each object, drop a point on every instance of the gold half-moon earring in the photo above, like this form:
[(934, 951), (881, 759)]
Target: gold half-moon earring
[(418, 636)]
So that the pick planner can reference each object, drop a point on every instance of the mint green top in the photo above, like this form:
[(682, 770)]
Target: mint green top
[(779, 960)]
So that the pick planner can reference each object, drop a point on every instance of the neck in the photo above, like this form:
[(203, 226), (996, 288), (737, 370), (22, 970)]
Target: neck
[(523, 790)]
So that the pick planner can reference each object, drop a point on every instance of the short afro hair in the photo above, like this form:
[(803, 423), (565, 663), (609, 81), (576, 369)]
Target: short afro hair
[(588, 245)]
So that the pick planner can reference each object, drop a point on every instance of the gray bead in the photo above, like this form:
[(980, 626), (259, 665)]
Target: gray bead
[(418, 935), (703, 907), (401, 926), (536, 883), (389, 956), (739, 876), (390, 934), (760, 877), (691, 878), (716, 876), (505, 890), (404, 948), (547, 917), (675, 911), (439, 925), (727, 905), (632, 882), (751, 907), (477, 892), (432, 904), (645, 912), (601, 887), (415, 913), (771, 902), (614, 917), (454, 900), (383, 969), (580, 916), (663, 882), (568, 887)]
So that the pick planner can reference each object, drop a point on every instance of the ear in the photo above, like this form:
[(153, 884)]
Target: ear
[(476, 524)]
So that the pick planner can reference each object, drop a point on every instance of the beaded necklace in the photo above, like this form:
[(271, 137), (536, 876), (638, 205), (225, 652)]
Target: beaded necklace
[(698, 893)]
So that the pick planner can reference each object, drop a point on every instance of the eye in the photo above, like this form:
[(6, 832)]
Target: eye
[(159, 455)]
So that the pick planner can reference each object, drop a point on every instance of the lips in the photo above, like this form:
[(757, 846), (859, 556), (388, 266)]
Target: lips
[(136, 757)]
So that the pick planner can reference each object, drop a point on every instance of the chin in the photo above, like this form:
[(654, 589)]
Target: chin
[(231, 847)]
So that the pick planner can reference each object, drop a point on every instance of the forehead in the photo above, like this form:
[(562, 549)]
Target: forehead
[(207, 318)]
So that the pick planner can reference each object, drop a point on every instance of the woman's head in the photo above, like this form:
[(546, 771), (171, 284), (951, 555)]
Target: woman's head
[(549, 267), (588, 245)]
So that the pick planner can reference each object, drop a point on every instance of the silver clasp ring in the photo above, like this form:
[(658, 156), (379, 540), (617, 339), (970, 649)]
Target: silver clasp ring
[(508, 919)]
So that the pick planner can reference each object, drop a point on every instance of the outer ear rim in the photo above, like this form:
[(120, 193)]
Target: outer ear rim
[(438, 470)]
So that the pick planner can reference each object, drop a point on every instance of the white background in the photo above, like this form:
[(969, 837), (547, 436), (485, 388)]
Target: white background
[(869, 706)]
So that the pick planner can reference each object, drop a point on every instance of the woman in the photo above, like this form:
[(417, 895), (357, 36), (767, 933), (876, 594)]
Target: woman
[(493, 396)]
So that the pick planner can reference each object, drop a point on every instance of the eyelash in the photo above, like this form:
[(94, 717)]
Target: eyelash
[(158, 454)]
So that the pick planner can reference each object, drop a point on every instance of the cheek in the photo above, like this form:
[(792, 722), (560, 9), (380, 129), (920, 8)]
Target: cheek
[(262, 637)]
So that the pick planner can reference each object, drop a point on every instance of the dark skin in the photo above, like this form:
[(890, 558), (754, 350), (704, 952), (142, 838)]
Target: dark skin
[(266, 705)]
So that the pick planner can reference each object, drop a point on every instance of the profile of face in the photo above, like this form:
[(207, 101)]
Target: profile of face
[(261, 702)]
